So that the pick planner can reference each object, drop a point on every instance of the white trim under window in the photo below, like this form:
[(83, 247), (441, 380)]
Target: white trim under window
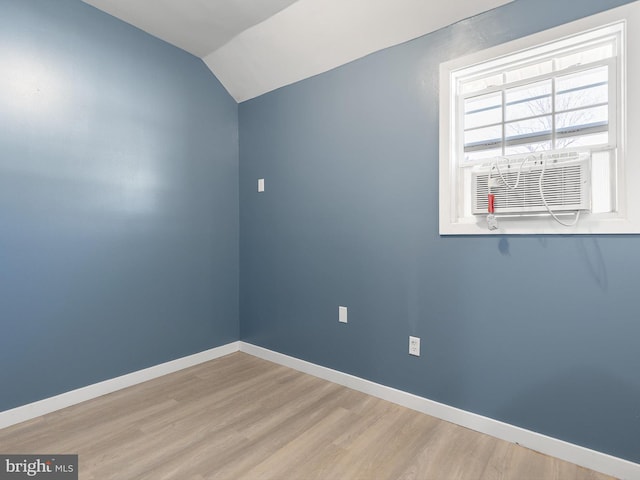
[(561, 90)]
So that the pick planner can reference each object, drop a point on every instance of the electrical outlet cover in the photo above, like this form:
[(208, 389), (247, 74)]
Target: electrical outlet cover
[(414, 346)]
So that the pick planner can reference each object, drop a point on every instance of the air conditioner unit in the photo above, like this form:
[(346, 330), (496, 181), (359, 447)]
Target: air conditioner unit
[(515, 183)]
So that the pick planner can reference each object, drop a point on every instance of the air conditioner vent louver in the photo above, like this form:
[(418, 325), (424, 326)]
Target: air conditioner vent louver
[(565, 184)]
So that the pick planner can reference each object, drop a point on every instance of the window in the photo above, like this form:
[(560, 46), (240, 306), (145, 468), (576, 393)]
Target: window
[(544, 97), (548, 112)]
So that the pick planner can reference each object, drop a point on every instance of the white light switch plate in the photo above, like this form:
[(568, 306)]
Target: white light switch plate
[(260, 185), (342, 314)]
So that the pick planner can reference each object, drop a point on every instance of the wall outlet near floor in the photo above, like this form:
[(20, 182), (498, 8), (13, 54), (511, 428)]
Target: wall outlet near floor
[(414, 346)]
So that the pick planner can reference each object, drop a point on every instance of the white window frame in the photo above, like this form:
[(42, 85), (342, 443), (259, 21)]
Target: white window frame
[(626, 218)]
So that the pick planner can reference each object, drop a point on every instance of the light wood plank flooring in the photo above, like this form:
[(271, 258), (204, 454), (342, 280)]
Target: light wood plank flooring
[(239, 417)]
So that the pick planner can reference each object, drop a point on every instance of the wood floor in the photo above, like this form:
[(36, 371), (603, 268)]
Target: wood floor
[(239, 417)]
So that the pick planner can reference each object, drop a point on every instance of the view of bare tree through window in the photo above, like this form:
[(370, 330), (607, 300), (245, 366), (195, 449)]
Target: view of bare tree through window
[(557, 112)]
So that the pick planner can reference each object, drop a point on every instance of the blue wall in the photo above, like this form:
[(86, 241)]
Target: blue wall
[(118, 201), (540, 332), (119, 230)]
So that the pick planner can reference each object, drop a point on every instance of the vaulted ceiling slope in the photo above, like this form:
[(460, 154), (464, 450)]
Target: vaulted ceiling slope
[(255, 46)]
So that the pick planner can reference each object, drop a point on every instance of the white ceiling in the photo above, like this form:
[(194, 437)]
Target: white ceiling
[(255, 46)]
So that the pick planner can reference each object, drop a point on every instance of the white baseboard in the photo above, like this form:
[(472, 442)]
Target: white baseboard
[(582, 456), (51, 404)]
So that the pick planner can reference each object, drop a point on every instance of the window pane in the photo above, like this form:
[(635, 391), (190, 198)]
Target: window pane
[(482, 154), (582, 98), (481, 84), (583, 140), (528, 148), (483, 117), (594, 117), (528, 101), (582, 79), (594, 54), (533, 127), (481, 102), (483, 136), (482, 110), (582, 89), (529, 71)]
